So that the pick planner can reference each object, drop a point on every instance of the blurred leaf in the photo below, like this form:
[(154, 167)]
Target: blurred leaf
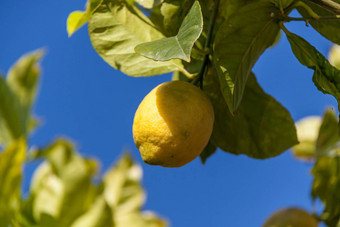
[(124, 194), (328, 134), (23, 78), (334, 56), (239, 42), (12, 120), (11, 164), (326, 78), (307, 133), (122, 189), (326, 184), (77, 19), (261, 127), (178, 46), (115, 28), (209, 150), (138, 219), (328, 28), (17, 94), (99, 215), (62, 187)]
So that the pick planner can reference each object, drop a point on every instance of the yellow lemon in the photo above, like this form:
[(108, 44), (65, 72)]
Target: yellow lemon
[(291, 217), (173, 124)]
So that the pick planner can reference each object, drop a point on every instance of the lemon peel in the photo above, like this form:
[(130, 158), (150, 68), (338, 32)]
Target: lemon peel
[(173, 124)]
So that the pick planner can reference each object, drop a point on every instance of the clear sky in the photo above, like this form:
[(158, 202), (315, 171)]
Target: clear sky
[(83, 98)]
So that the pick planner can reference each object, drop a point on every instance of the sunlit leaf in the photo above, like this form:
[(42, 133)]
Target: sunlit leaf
[(11, 165), (178, 46), (115, 28), (139, 219), (62, 188), (123, 190), (261, 127), (328, 28), (239, 42), (17, 94), (99, 215), (326, 77), (77, 18), (23, 78)]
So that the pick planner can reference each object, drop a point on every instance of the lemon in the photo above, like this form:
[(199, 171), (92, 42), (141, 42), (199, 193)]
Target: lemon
[(291, 217), (173, 124)]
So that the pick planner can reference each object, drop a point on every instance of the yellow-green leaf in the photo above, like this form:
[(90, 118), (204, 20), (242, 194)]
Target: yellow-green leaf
[(75, 20), (178, 46), (115, 29), (11, 165)]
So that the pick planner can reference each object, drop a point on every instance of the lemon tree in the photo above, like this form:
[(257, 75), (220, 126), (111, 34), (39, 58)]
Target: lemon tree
[(210, 47), (214, 45)]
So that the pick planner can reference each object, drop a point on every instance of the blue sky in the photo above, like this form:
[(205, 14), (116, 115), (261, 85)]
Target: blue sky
[(83, 98)]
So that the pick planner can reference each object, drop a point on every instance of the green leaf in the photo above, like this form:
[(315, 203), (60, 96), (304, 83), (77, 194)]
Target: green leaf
[(99, 215), (328, 133), (122, 189), (260, 128), (328, 28), (23, 78), (11, 164), (124, 194), (17, 94), (326, 77), (77, 18), (282, 4), (115, 28), (238, 44), (12, 120), (62, 188), (326, 184), (140, 219), (178, 46), (149, 4), (209, 150)]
